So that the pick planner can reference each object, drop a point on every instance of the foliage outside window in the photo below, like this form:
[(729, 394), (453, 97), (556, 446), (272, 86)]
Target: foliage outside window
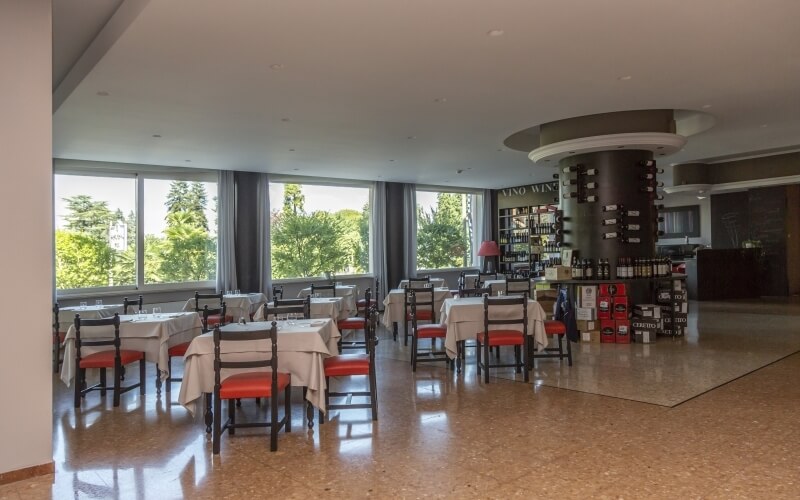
[(318, 229), (96, 231), (445, 229)]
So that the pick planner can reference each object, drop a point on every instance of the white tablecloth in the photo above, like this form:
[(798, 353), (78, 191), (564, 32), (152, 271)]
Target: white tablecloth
[(237, 306), (66, 315), (495, 285), (322, 307), (148, 333), (349, 293), (437, 282), (302, 348), (464, 319), (394, 304)]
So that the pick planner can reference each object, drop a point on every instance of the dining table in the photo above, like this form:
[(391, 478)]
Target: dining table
[(463, 318), (66, 315), (303, 346), (349, 293), (238, 305), (321, 307), (436, 282), (153, 334), (394, 306)]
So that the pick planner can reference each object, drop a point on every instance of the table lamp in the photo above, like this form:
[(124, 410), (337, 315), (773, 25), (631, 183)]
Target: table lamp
[(488, 249)]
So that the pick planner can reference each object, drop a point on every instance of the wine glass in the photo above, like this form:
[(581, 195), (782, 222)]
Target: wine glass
[(98, 302), (157, 312), (84, 304)]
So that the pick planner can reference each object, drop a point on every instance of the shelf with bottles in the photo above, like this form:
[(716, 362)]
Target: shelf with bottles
[(513, 237)]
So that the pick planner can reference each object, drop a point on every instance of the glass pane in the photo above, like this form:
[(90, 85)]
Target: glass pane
[(180, 231), (445, 229), (95, 231), (318, 229)]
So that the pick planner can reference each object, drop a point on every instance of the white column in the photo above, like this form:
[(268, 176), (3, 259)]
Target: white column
[(26, 252)]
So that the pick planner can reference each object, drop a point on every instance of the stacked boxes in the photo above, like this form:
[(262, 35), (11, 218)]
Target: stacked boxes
[(646, 323), (586, 314), (547, 299), (674, 309), (612, 311)]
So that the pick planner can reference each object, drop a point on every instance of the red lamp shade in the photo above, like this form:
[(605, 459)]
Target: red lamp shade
[(488, 249)]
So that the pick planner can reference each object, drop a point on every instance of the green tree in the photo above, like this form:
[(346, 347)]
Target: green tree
[(362, 255), (306, 245), (82, 260), (88, 216), (293, 199), (350, 221), (441, 238)]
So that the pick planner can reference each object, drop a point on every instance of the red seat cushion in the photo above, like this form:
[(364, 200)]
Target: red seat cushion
[(213, 319), (422, 314), (362, 303), (347, 364), (61, 336), (503, 337), (555, 327), (178, 350), (105, 359), (252, 385), (351, 324), (431, 331)]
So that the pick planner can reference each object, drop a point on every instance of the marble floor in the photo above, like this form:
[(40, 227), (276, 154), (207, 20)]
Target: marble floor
[(608, 427)]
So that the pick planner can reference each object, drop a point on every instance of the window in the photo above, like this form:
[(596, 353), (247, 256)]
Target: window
[(98, 218), (447, 234), (680, 221), (318, 229)]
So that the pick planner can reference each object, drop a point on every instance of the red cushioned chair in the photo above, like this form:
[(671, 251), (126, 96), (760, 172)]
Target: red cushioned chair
[(506, 335), (126, 303), (559, 330), (429, 331), (348, 365), (425, 295), (211, 300), (362, 305), (58, 339), (357, 323), (468, 292), (250, 384), (114, 358), (288, 306), (328, 290)]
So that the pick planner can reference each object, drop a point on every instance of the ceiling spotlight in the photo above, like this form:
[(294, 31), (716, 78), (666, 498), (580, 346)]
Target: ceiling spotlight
[(188, 161), (460, 170), (296, 169), (411, 137), (391, 160), (291, 150), (701, 197), (103, 93), (276, 67), (285, 120), (764, 125), (706, 106), (440, 99), (157, 136), (625, 78), (495, 32)]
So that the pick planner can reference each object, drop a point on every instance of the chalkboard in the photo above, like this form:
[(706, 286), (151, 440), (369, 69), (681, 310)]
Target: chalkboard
[(730, 221), (767, 207)]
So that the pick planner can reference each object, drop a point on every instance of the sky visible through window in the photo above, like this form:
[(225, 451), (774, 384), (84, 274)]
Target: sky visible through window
[(322, 198)]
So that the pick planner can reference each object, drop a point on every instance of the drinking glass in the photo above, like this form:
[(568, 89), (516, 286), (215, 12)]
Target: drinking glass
[(237, 292), (500, 293), (280, 317), (157, 311), (83, 304), (338, 283), (291, 317), (99, 302)]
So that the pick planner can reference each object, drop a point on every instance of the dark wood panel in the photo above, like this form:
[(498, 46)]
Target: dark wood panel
[(730, 221), (767, 207), (728, 274)]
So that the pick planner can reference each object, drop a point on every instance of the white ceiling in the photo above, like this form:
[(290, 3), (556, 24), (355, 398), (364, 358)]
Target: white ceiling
[(416, 90)]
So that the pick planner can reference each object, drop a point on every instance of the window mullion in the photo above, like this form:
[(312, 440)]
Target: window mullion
[(139, 231)]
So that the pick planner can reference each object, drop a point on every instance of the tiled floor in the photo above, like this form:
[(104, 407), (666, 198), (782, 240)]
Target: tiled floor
[(443, 435)]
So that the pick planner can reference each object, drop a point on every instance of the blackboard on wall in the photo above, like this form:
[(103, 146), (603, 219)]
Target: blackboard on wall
[(767, 211), (730, 220)]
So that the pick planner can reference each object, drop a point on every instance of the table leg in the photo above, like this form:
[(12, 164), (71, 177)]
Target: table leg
[(209, 415), (394, 330), (310, 414)]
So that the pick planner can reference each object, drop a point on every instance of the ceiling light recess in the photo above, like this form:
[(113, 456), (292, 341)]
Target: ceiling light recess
[(650, 141)]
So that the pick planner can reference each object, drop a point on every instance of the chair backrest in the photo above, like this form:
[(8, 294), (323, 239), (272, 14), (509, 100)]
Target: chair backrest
[(138, 302), (518, 285), (220, 337), (482, 277), (277, 291), (208, 311), (418, 282), (462, 279), (370, 334), (97, 341), (56, 323), (424, 298), (377, 292), (474, 292), (207, 297), (289, 306), (323, 290), (507, 317)]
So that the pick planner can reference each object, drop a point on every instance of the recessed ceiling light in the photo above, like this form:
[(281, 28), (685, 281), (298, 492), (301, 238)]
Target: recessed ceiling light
[(460, 171), (276, 67), (411, 137), (157, 136), (295, 169), (291, 150), (499, 150), (764, 125), (701, 197), (660, 154), (188, 161), (571, 152), (660, 147), (285, 120), (103, 93), (440, 99), (495, 32), (620, 147), (706, 106), (626, 77), (391, 160)]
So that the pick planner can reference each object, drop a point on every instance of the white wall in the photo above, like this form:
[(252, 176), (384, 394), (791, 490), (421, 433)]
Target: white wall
[(26, 261), (679, 200)]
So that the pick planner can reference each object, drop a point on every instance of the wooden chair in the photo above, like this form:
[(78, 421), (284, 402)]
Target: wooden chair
[(289, 306), (127, 303), (357, 323), (363, 305), (516, 286), (559, 330), (58, 339), (323, 290), (516, 337), (418, 282), (250, 384), (277, 292), (425, 295), (468, 292), (482, 277), (429, 331), (213, 319), (114, 358), (347, 365)]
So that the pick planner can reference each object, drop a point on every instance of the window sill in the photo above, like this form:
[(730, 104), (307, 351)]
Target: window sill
[(320, 279)]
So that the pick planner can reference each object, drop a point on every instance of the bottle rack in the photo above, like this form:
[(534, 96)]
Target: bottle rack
[(529, 239)]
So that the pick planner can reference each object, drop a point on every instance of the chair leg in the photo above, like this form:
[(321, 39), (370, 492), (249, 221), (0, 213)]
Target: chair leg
[(273, 418), (414, 344), (231, 418), (217, 425), (117, 384), (569, 352), (287, 407), (478, 350), (323, 417), (103, 383), (373, 389), (79, 374), (405, 333), (486, 368), (517, 359), (169, 377), (525, 353), (143, 376)]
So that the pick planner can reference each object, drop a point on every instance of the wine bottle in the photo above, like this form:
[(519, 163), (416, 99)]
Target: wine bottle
[(630, 227), (610, 222), (590, 185), (647, 176), (610, 236), (573, 168), (588, 199), (590, 171), (631, 240), (589, 273), (647, 189), (613, 208), (647, 163), (573, 194), (632, 213)]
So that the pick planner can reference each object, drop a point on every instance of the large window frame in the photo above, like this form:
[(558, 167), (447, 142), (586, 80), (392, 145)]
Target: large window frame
[(336, 183), (478, 207), (139, 173)]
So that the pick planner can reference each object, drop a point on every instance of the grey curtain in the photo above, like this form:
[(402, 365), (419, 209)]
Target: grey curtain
[(226, 232), (264, 247), (410, 225), (486, 227), (377, 229)]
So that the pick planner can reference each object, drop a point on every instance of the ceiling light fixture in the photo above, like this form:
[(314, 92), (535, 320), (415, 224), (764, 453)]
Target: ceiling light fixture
[(157, 136), (188, 161), (276, 67), (103, 93), (706, 106), (285, 120), (440, 99), (495, 32), (625, 78), (291, 150), (764, 125), (411, 137)]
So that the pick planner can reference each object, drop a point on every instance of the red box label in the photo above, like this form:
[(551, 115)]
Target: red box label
[(620, 308), (613, 290), (608, 331), (623, 332), (604, 308)]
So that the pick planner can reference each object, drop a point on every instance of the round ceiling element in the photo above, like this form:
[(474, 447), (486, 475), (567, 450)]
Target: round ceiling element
[(688, 188), (661, 143)]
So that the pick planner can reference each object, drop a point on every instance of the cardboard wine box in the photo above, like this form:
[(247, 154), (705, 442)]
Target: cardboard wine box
[(587, 296), (558, 273), (586, 325), (645, 336), (604, 307), (647, 311), (592, 336), (620, 308), (612, 289), (608, 331), (645, 324), (622, 334), (585, 313)]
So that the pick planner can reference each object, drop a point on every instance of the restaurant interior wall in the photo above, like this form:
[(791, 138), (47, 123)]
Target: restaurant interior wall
[(26, 424), (681, 200)]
